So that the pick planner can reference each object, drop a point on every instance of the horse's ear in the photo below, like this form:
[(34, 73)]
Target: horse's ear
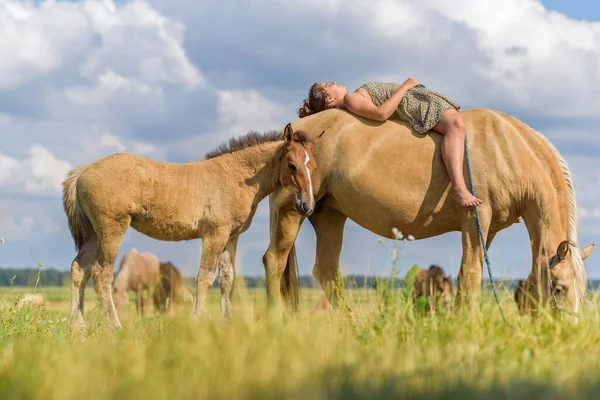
[(585, 253), (288, 133), (563, 250)]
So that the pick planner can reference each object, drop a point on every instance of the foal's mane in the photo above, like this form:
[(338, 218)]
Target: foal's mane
[(250, 139)]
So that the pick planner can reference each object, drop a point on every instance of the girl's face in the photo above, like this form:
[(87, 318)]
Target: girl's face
[(334, 93)]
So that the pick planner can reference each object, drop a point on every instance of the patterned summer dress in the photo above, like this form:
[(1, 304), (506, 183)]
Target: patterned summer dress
[(421, 108)]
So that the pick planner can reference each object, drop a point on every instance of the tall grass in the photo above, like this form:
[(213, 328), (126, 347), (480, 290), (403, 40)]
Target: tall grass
[(387, 351)]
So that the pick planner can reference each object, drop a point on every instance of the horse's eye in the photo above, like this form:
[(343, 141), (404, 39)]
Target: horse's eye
[(558, 290), (292, 167)]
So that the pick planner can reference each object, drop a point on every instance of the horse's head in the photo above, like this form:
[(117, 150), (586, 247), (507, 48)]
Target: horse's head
[(297, 167), (446, 289), (561, 282), (120, 298), (442, 284)]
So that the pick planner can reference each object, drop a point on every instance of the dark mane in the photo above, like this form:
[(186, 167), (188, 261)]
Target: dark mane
[(250, 139)]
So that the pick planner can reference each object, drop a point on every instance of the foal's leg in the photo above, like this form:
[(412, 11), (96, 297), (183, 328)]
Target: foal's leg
[(227, 277), (470, 274), (212, 247), (81, 269), (110, 236), (285, 225), (329, 228)]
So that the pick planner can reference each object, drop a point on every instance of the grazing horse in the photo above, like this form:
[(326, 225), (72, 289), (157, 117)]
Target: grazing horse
[(434, 285), (383, 176), (33, 300), (170, 288), (212, 199), (138, 272)]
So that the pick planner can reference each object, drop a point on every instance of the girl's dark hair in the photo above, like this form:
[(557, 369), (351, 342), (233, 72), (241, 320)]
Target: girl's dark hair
[(314, 103)]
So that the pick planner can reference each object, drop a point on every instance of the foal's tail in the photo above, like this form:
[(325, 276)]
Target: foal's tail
[(290, 290), (79, 224)]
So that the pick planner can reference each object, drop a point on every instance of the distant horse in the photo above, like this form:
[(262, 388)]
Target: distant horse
[(34, 300), (434, 285), (213, 199), (138, 272), (383, 176), (170, 288)]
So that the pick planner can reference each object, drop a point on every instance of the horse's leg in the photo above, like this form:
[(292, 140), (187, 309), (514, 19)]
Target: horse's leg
[(490, 239), (140, 299), (285, 225), (81, 269), (110, 236), (227, 277), (329, 229), (212, 247), (470, 274)]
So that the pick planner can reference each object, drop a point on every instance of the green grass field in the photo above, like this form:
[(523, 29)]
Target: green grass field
[(388, 351)]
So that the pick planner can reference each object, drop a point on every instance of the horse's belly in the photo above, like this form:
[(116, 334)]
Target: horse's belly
[(173, 230), (381, 212)]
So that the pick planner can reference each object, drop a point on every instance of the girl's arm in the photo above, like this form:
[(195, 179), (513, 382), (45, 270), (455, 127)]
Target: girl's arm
[(357, 104)]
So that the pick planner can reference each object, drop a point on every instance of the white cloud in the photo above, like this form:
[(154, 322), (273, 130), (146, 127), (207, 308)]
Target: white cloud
[(98, 36), (40, 173), (173, 79), (243, 110), (110, 141), (144, 149), (24, 227), (239, 111)]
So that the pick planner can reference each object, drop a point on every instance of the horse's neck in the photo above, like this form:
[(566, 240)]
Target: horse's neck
[(548, 224), (256, 168), (121, 280)]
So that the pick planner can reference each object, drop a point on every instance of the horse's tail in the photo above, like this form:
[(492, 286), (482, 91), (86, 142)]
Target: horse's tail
[(79, 224), (290, 289)]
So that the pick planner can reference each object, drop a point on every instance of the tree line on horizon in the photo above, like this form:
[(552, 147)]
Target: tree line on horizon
[(49, 277)]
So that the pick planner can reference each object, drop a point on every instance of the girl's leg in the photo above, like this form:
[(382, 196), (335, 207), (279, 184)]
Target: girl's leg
[(451, 125)]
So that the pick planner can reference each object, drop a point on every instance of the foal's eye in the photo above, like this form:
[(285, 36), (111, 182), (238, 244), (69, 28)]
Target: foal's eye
[(292, 167)]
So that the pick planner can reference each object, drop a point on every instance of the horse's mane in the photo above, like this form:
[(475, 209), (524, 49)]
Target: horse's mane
[(250, 139)]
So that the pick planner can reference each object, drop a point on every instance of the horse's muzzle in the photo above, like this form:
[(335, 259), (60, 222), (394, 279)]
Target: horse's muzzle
[(305, 208)]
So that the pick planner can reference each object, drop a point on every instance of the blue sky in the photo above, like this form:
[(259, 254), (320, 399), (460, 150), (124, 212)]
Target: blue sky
[(579, 9), (172, 79)]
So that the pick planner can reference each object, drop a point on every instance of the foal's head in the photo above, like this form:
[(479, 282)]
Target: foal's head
[(297, 168)]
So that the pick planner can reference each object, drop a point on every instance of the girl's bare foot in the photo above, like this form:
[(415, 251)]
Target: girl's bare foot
[(465, 198)]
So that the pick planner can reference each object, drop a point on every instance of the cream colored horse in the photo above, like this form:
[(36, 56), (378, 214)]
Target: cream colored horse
[(138, 272), (383, 176), (213, 199)]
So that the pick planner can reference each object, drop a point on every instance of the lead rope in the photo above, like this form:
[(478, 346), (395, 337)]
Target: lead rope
[(485, 253)]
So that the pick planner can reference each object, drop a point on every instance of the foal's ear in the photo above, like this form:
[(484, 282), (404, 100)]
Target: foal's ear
[(563, 250), (288, 133)]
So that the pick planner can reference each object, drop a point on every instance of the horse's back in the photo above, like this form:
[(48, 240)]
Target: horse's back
[(142, 268), (384, 175), (163, 199)]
